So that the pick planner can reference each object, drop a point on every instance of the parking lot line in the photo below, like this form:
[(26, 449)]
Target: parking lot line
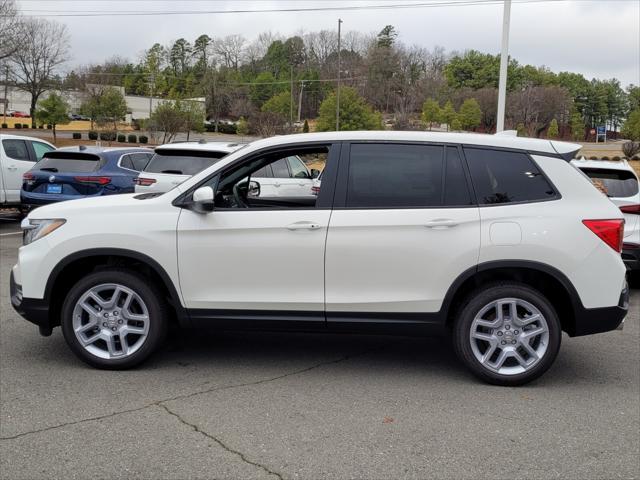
[(10, 233)]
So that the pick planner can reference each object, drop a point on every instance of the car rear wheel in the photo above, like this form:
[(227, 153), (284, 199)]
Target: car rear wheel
[(507, 334), (114, 319)]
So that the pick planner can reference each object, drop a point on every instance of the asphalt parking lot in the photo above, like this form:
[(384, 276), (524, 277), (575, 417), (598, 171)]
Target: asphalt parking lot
[(228, 405)]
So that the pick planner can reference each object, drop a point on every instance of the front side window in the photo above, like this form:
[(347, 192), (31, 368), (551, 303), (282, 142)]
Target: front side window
[(298, 170), (16, 149), (40, 149), (395, 176), (280, 168), (506, 177)]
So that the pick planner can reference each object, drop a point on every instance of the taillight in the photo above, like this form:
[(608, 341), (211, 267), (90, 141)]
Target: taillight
[(28, 177), (610, 232), (97, 180), (315, 190), (631, 209), (144, 182)]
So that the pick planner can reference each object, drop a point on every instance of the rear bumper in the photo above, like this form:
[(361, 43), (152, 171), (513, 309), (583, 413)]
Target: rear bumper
[(631, 256), (34, 310), (599, 320)]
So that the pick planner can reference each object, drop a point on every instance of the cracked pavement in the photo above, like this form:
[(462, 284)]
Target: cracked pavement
[(231, 405)]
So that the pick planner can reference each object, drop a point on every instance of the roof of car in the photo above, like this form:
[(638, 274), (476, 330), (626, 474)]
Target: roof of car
[(202, 146), (4, 136), (104, 150), (606, 164), (505, 140)]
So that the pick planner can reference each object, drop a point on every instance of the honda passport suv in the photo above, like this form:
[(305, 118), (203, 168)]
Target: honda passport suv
[(495, 240)]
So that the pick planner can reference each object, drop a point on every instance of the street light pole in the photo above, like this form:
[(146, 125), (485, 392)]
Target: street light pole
[(504, 63), (338, 89)]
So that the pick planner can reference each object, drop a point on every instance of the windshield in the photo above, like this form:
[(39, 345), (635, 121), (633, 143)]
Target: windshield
[(68, 162), (181, 164), (617, 183)]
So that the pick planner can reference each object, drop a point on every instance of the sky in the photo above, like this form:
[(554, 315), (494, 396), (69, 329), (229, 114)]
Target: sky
[(598, 38)]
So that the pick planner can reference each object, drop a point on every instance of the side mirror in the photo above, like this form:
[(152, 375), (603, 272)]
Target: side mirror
[(203, 200), (254, 189), (315, 173)]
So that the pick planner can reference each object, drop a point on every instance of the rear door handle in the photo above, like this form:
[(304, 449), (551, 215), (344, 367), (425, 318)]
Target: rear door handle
[(12, 167), (303, 226), (441, 223)]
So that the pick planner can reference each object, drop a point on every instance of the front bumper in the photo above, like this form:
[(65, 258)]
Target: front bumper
[(32, 309), (631, 256), (599, 320)]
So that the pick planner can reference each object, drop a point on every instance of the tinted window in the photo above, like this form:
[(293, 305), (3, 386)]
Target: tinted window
[(140, 160), (298, 170), (126, 162), (40, 149), (181, 164), (395, 176), (504, 177), (68, 162), (455, 184), (264, 172), (617, 183), (280, 169), (16, 149)]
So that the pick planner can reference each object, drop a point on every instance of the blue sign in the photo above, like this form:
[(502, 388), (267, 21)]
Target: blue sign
[(601, 129)]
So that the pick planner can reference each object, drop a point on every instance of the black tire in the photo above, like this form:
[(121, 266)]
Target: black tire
[(153, 299), (483, 296)]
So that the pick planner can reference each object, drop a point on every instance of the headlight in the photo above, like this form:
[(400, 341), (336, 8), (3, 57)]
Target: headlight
[(33, 230)]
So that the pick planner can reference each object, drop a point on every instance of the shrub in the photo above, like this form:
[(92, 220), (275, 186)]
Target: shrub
[(228, 128), (143, 139), (41, 127), (4, 125), (605, 158), (132, 138), (49, 126), (76, 136), (25, 125), (121, 138), (630, 148), (108, 136), (93, 135), (593, 157), (305, 127), (616, 158), (17, 126), (635, 157)]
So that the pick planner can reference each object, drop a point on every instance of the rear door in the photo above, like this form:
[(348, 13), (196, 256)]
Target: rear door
[(404, 226), (17, 161)]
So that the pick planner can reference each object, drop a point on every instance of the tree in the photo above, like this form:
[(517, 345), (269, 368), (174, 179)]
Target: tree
[(522, 132), (53, 110), (577, 127), (456, 124), (305, 127), (10, 28), (430, 112), (355, 113), (630, 149), (448, 114), (242, 127), (193, 116), (112, 107), (387, 36), (631, 127), (280, 104), (553, 132), (470, 114), (35, 62), (168, 117)]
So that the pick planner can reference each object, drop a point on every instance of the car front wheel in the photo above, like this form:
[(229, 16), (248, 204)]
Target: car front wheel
[(114, 319), (507, 334)]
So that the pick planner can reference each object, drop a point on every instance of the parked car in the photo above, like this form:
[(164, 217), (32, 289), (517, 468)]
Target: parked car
[(17, 155), (20, 114), (174, 163), (77, 116), (287, 177), (620, 183), (498, 241), (10, 113), (78, 172)]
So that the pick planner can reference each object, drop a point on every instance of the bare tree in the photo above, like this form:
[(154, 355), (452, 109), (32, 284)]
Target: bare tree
[(9, 26), (230, 49), (35, 62)]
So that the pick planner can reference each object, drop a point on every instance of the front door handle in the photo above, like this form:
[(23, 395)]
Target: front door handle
[(12, 167), (441, 223), (304, 226)]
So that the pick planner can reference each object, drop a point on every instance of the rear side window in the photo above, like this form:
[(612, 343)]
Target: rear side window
[(16, 149), (280, 169), (264, 172), (69, 162), (40, 149), (393, 175), (617, 183), (182, 164), (298, 170), (506, 177), (126, 162)]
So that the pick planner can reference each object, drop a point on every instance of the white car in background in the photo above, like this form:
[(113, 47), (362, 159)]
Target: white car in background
[(286, 177), (18, 155), (620, 182), (174, 163)]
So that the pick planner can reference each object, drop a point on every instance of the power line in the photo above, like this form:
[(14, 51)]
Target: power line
[(430, 4)]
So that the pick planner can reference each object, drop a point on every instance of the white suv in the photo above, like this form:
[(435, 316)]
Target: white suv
[(620, 183), (496, 240)]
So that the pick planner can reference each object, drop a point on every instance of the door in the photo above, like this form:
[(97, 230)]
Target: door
[(404, 227), (254, 257), (17, 162)]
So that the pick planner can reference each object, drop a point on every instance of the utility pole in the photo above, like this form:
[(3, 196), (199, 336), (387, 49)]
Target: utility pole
[(504, 63), (291, 98), (6, 92), (300, 99), (338, 89)]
